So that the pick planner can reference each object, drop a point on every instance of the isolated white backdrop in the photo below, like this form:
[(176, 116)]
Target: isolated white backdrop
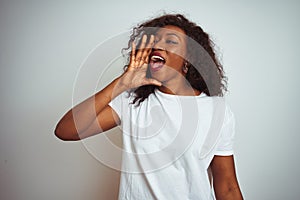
[(43, 43)]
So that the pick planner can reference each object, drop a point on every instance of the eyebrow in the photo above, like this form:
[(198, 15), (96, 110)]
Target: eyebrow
[(174, 35)]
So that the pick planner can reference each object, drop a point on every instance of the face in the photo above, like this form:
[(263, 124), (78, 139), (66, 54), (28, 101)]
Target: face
[(169, 51)]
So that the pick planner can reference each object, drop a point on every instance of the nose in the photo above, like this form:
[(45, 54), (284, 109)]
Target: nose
[(158, 45)]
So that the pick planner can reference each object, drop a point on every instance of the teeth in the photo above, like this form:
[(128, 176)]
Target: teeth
[(155, 58)]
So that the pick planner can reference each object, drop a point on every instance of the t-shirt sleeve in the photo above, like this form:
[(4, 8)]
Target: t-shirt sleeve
[(225, 144), (117, 104)]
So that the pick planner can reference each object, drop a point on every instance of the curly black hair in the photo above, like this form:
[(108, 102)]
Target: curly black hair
[(205, 72)]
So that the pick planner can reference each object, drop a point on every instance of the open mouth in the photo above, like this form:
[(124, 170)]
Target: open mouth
[(156, 61)]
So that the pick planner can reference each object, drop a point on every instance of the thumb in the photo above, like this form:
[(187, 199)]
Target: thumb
[(151, 81)]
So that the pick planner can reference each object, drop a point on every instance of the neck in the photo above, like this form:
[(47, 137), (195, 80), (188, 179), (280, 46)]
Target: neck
[(179, 87)]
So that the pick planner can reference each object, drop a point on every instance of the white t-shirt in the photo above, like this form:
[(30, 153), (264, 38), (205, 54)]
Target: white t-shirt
[(169, 142)]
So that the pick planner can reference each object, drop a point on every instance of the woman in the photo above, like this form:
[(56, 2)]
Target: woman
[(175, 134)]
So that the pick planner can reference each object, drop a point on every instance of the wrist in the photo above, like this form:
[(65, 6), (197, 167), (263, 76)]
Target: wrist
[(120, 86)]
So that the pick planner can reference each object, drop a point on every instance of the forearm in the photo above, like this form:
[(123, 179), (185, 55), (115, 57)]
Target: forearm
[(78, 119), (225, 182), (85, 118), (233, 193)]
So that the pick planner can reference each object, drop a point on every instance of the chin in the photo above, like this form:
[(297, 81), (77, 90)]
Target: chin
[(159, 77)]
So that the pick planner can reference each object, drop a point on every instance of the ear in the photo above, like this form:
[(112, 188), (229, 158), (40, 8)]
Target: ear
[(185, 67)]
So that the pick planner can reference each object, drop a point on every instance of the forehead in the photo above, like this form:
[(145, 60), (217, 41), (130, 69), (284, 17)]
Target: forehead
[(170, 29)]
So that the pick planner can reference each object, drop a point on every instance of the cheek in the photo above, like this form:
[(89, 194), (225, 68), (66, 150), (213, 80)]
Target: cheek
[(177, 56), (175, 61), (179, 52)]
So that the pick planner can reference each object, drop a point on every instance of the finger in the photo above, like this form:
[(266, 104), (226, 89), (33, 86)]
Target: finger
[(133, 48), (150, 43), (151, 81), (141, 48), (147, 50), (132, 55), (133, 63)]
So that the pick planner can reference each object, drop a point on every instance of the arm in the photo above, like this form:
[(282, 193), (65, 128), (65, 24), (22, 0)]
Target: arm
[(94, 115), (224, 178)]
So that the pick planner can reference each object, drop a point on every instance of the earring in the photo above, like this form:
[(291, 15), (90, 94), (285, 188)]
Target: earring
[(185, 68)]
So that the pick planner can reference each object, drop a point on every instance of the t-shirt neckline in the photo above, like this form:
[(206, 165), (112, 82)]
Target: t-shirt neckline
[(160, 93)]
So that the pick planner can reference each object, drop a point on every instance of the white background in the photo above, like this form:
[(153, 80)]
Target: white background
[(43, 43)]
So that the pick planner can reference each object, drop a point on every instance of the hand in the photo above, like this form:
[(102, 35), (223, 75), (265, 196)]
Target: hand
[(135, 75)]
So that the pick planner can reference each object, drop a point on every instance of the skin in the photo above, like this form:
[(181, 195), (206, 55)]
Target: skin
[(94, 115), (170, 42), (224, 178)]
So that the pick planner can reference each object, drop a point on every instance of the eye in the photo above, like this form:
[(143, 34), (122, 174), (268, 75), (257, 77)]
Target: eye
[(168, 41)]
